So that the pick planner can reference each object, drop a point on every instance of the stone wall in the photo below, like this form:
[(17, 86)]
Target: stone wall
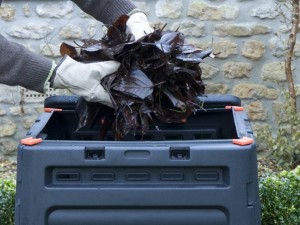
[(248, 36)]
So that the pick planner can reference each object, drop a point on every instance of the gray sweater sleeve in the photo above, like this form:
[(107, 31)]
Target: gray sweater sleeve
[(19, 66), (106, 11)]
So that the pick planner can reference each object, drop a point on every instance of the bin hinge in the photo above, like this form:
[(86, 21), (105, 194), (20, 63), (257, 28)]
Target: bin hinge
[(243, 141), (31, 141), (235, 108), (49, 110)]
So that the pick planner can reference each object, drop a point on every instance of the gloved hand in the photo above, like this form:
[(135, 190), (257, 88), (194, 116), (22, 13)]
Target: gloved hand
[(138, 25), (84, 79)]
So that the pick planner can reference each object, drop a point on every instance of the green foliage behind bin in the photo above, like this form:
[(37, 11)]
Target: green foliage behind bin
[(7, 201), (280, 198)]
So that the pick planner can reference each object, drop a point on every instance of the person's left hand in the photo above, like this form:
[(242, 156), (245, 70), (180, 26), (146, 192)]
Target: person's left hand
[(138, 25)]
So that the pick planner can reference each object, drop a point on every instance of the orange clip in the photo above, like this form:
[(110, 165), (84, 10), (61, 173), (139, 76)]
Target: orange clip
[(51, 110), (243, 141), (235, 108), (31, 141)]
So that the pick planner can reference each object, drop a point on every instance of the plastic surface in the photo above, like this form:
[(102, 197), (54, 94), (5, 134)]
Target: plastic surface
[(138, 216), (209, 101), (183, 174)]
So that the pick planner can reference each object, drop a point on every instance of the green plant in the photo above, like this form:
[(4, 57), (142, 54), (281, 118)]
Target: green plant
[(7, 201), (280, 198), (284, 145)]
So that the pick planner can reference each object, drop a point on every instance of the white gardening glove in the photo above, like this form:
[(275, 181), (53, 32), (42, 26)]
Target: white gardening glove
[(84, 79), (138, 25)]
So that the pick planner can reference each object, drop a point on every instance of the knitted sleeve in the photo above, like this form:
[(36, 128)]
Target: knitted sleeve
[(106, 11), (19, 66)]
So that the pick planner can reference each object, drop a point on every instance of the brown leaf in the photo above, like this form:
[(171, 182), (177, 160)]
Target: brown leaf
[(136, 85), (66, 49)]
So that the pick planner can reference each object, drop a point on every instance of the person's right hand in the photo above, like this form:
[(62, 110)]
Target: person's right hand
[(84, 79)]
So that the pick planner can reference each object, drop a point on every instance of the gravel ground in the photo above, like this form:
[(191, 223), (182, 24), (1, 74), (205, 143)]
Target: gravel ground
[(8, 168)]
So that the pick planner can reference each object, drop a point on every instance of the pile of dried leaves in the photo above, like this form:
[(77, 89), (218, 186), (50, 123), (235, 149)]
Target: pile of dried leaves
[(159, 77)]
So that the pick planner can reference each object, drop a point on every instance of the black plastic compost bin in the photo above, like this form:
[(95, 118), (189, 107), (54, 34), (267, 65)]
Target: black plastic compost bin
[(203, 172)]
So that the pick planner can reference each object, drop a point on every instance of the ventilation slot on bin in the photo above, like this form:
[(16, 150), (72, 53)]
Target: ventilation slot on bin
[(67, 176), (180, 153)]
